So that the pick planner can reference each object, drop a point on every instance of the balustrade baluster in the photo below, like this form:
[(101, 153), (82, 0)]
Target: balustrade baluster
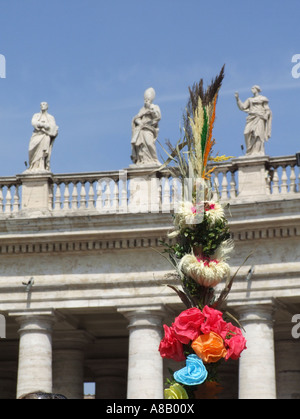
[(232, 192), (224, 193), (106, 195), (268, 178), (124, 196), (275, 182), (74, 203), (57, 203), (216, 187), (66, 201), (115, 203), (99, 196), (8, 200), (293, 186), (82, 202), (16, 199), (284, 178), (91, 201), (50, 197)]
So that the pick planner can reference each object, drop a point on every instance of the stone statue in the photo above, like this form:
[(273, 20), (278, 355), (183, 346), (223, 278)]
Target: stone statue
[(145, 131), (258, 122), (41, 142)]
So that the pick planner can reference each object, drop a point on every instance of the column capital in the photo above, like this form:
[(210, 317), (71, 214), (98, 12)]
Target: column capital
[(144, 316), (256, 313), (34, 320), (32, 313)]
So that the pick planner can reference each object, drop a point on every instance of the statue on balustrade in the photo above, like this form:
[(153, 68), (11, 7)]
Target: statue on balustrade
[(145, 132), (258, 122), (42, 139)]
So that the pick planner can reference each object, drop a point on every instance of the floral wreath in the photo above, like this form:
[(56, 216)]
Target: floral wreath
[(202, 335)]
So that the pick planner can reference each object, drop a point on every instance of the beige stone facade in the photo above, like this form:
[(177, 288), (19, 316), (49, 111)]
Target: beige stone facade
[(83, 289)]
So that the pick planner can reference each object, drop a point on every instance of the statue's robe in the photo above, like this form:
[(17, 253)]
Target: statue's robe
[(41, 142)]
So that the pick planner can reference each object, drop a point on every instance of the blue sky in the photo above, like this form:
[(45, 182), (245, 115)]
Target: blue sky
[(91, 60)]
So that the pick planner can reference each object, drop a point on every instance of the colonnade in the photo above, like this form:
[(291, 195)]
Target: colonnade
[(57, 364)]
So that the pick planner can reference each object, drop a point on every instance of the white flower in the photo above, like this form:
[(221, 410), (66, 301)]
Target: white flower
[(188, 215), (184, 215), (208, 272), (214, 211)]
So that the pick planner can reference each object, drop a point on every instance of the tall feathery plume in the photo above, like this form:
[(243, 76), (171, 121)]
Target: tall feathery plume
[(198, 122), (210, 142)]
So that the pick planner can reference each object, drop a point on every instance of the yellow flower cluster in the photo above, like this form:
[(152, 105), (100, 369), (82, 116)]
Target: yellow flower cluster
[(175, 391)]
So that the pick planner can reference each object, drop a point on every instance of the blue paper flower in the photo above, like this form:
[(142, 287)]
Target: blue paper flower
[(193, 373)]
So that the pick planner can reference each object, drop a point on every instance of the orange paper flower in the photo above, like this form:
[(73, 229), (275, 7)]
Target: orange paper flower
[(208, 390), (210, 347)]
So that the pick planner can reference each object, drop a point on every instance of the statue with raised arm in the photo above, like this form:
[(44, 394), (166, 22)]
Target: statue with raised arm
[(145, 132), (42, 139), (258, 122)]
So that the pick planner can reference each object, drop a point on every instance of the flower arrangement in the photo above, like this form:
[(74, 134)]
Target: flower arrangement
[(202, 338), (202, 335)]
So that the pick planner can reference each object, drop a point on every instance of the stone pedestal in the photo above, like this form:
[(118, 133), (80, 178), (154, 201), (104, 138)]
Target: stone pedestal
[(257, 378), (35, 353), (145, 365), (36, 190), (252, 177)]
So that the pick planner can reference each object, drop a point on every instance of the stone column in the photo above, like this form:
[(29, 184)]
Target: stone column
[(110, 378), (8, 380), (145, 365), (68, 363), (35, 353), (257, 378), (287, 355), (8, 368)]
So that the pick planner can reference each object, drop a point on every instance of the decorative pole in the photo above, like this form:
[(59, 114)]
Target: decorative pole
[(202, 335)]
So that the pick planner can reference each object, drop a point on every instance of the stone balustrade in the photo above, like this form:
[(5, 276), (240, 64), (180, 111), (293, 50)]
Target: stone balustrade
[(93, 274), (283, 176), (280, 176), (146, 190), (9, 195)]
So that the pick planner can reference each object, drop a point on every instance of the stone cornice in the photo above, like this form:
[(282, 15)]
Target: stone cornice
[(282, 227), (47, 246), (102, 233)]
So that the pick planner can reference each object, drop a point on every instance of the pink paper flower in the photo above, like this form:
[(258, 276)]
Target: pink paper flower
[(187, 325), (213, 321), (170, 347)]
